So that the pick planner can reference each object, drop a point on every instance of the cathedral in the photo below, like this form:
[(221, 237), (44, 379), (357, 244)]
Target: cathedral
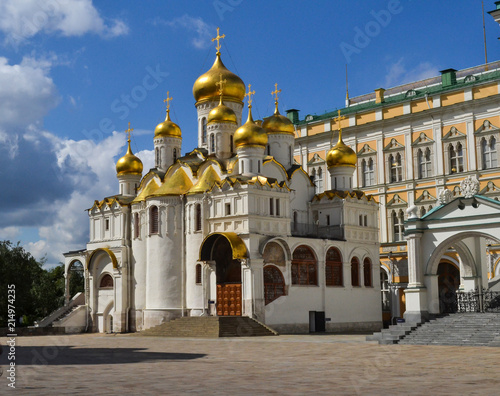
[(235, 227)]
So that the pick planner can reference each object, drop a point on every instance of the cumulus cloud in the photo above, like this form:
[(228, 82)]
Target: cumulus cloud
[(197, 25), (23, 19), (398, 73), (10, 233)]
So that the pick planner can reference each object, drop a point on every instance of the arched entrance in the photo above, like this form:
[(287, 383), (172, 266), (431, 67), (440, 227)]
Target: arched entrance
[(226, 250), (448, 284)]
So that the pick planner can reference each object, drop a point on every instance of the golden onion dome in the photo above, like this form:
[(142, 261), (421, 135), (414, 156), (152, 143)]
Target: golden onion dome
[(222, 113), (129, 164), (167, 128), (250, 134), (341, 155), (278, 123), (205, 88)]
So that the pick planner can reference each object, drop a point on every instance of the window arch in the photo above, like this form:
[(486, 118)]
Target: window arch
[(153, 220), (203, 130), (274, 283), (354, 271), (198, 274), (304, 266), (333, 268), (367, 272), (197, 215), (137, 230), (489, 153), (398, 219), (106, 282)]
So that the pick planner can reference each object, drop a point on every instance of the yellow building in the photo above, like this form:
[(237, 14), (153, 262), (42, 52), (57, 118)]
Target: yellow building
[(412, 142)]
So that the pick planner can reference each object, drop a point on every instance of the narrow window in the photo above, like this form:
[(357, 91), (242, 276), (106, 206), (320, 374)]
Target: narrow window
[(327, 220), (271, 206), (197, 223), (333, 268), (228, 209), (398, 226), (212, 143), (319, 181), (198, 274), (231, 149), (489, 153), (355, 271), (242, 167), (136, 225), (277, 206), (360, 220), (107, 224), (157, 156), (153, 220), (175, 154), (367, 272), (258, 166), (204, 130)]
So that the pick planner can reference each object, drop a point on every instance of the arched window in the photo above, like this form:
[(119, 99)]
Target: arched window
[(367, 272), (354, 271), (396, 168), (368, 172), (197, 221), (423, 211), (137, 229), (333, 268), (212, 143), (489, 153), (198, 274), (175, 154), (319, 181), (157, 156), (456, 158), (398, 226), (274, 283), (304, 266), (424, 163), (153, 220), (313, 175), (106, 282), (231, 144), (203, 130)]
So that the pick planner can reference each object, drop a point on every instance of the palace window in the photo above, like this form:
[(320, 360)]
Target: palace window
[(197, 222), (304, 267), (203, 130), (367, 272), (398, 219), (198, 274), (489, 153), (354, 271), (153, 220), (106, 282), (333, 268), (456, 156), (274, 283), (368, 172), (424, 163), (319, 181), (395, 168), (136, 226)]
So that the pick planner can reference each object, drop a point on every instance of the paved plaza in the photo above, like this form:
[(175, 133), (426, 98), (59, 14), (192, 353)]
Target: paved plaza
[(128, 364)]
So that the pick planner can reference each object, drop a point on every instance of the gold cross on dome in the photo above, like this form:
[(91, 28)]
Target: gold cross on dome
[(249, 94), (339, 119), (221, 83), (276, 92), (168, 101), (218, 38), (128, 131)]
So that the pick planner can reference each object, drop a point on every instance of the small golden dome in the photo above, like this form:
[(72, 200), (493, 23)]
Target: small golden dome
[(205, 88), (167, 128), (278, 123), (341, 155), (129, 164), (222, 113), (250, 134)]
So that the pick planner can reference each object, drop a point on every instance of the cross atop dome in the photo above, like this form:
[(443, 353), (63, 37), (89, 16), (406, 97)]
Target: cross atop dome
[(218, 46), (276, 92), (249, 94), (221, 84), (339, 119), (128, 132), (168, 99)]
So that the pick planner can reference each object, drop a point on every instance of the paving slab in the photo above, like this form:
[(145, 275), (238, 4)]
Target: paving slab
[(127, 364)]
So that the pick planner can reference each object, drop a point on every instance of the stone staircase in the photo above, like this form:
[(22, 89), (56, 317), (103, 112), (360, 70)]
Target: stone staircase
[(467, 329), (210, 327), (393, 334)]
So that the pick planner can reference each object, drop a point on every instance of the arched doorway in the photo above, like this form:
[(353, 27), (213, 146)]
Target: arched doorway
[(448, 284), (228, 278)]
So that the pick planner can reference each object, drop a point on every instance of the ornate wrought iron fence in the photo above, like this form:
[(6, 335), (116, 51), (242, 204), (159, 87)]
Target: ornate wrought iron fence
[(473, 301)]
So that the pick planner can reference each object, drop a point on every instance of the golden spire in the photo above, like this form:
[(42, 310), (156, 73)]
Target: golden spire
[(128, 132), (218, 43), (275, 93), (339, 119), (221, 84), (249, 94), (169, 98)]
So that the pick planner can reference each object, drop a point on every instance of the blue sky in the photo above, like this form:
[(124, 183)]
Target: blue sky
[(73, 73)]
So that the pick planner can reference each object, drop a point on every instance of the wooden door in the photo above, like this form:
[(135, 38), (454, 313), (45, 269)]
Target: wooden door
[(229, 299)]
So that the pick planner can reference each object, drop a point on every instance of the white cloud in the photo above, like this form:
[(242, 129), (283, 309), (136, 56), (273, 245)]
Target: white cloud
[(10, 233), (148, 159), (197, 25), (398, 73), (23, 19)]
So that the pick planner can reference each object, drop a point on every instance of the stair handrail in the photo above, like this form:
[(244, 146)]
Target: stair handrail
[(78, 299)]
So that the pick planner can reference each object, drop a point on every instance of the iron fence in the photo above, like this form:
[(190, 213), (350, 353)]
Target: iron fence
[(475, 301)]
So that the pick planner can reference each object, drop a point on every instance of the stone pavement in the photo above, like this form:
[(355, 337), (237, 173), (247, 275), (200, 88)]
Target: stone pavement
[(96, 364)]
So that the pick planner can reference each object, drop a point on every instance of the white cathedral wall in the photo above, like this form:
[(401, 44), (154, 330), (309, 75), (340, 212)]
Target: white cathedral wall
[(139, 268)]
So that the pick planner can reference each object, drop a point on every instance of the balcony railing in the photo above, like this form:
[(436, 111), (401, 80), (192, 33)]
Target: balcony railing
[(317, 231)]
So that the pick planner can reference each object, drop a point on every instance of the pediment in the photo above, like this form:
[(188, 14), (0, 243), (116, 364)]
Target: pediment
[(466, 208), (316, 160), (366, 150), (394, 145), (454, 133), (397, 201), (486, 127), (490, 189), (425, 197), (422, 139)]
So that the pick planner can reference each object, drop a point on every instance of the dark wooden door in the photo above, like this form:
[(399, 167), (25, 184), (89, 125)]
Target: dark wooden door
[(229, 299), (448, 283)]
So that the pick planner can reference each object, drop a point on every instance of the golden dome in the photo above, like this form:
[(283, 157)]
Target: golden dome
[(205, 88), (278, 123), (222, 113), (341, 155), (250, 134), (167, 128), (129, 164)]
